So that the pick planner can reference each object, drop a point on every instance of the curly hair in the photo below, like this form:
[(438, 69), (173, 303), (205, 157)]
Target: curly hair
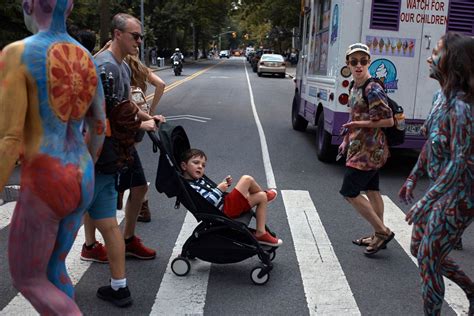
[(456, 66), (139, 72)]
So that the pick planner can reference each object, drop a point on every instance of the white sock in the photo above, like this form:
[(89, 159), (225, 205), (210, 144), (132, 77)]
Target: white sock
[(117, 284)]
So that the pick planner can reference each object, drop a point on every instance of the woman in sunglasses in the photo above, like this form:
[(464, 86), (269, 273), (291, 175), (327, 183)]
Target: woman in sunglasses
[(447, 208), (367, 149)]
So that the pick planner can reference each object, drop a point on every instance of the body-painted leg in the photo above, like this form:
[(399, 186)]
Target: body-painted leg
[(33, 234), (66, 235), (441, 233)]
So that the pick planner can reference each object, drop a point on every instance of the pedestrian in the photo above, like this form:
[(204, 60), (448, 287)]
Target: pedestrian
[(247, 194), (117, 152), (366, 147), (50, 90), (447, 208)]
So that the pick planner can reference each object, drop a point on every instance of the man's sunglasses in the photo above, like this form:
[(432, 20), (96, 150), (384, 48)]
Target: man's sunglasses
[(136, 35), (354, 62)]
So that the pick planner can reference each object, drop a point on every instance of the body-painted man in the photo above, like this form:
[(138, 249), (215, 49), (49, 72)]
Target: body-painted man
[(447, 208), (50, 92)]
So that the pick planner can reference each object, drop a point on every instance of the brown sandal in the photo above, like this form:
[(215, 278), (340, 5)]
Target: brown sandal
[(363, 241), (379, 242)]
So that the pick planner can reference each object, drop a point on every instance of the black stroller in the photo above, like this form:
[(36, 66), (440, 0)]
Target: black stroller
[(217, 238)]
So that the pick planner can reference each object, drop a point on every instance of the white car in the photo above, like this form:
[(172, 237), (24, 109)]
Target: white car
[(224, 54), (271, 64)]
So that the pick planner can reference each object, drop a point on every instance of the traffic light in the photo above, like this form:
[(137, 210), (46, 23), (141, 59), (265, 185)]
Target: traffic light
[(234, 34)]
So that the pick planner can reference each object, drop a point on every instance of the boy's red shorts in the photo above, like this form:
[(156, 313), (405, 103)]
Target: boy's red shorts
[(235, 204)]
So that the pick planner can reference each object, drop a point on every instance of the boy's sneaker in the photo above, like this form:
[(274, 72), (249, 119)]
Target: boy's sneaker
[(120, 298), (98, 253), (271, 194), (137, 249), (269, 240)]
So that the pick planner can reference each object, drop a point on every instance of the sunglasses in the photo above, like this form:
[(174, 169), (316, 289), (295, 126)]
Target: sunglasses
[(136, 35), (354, 62)]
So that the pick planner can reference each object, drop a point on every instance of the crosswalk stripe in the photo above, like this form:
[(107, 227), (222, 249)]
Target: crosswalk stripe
[(75, 266), (325, 284), (394, 218), (183, 295), (6, 213)]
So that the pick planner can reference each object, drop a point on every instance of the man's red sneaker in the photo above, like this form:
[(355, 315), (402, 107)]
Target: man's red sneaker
[(271, 194), (269, 240), (98, 253), (137, 249)]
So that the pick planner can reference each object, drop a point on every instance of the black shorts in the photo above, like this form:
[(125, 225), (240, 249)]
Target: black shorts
[(356, 180), (134, 176)]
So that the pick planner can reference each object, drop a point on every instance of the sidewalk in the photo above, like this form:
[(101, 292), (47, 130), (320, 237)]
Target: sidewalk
[(291, 71)]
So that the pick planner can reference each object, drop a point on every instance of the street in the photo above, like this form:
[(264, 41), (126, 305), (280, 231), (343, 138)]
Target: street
[(243, 123)]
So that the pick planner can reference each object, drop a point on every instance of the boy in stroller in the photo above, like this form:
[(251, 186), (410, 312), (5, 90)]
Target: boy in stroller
[(246, 194)]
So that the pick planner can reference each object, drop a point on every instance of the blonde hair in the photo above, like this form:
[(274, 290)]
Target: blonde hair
[(139, 72)]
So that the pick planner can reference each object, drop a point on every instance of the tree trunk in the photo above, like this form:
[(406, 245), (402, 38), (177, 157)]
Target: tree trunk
[(104, 21)]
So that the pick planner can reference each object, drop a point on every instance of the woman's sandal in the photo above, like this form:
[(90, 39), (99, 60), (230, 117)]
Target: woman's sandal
[(379, 242)]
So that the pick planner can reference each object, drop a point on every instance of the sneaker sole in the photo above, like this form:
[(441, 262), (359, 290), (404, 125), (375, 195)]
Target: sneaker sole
[(130, 254), (270, 244), (120, 303), (93, 260)]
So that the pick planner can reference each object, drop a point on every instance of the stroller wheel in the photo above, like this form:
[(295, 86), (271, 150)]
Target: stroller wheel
[(180, 266), (259, 280)]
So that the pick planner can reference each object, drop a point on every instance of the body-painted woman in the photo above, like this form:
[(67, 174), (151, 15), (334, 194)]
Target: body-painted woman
[(447, 208), (50, 91)]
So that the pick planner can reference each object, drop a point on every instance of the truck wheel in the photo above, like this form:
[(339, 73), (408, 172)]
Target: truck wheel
[(324, 150), (259, 74), (298, 122)]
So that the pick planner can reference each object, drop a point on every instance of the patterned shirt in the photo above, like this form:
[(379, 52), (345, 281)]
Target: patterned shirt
[(368, 149), (447, 157), (211, 193)]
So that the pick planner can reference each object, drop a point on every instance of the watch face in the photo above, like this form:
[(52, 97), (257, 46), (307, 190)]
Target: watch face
[(345, 72)]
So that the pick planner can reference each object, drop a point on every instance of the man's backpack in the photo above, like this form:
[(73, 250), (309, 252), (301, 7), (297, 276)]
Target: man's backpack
[(395, 134)]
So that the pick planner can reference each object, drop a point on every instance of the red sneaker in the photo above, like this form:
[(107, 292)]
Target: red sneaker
[(271, 194), (269, 240), (137, 249), (98, 253)]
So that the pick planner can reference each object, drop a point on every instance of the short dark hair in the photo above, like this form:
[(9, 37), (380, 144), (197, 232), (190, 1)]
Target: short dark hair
[(119, 22), (456, 66), (192, 152), (87, 38)]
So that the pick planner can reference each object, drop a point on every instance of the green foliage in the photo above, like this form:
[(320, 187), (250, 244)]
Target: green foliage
[(170, 23)]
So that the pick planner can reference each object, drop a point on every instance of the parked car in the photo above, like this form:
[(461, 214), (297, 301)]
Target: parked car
[(224, 54), (271, 64), (255, 58)]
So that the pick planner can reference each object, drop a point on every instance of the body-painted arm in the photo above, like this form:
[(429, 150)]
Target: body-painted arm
[(13, 107), (95, 119)]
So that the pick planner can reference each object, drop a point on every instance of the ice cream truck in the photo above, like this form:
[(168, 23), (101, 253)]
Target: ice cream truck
[(401, 35)]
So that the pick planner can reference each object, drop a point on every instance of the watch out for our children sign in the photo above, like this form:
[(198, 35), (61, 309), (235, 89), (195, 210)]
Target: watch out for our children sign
[(425, 11)]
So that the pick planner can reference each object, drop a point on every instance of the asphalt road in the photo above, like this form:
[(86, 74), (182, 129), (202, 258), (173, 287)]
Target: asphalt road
[(219, 112)]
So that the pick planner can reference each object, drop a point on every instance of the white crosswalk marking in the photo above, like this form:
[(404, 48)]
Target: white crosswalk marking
[(395, 220), (325, 285), (183, 295), (76, 267)]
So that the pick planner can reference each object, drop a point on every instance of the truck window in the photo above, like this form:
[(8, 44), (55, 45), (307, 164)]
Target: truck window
[(385, 15), (320, 38), (460, 17)]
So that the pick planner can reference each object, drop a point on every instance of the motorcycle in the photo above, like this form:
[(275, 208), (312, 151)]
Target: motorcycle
[(177, 66)]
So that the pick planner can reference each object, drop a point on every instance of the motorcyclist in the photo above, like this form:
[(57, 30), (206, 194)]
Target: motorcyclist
[(177, 53)]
